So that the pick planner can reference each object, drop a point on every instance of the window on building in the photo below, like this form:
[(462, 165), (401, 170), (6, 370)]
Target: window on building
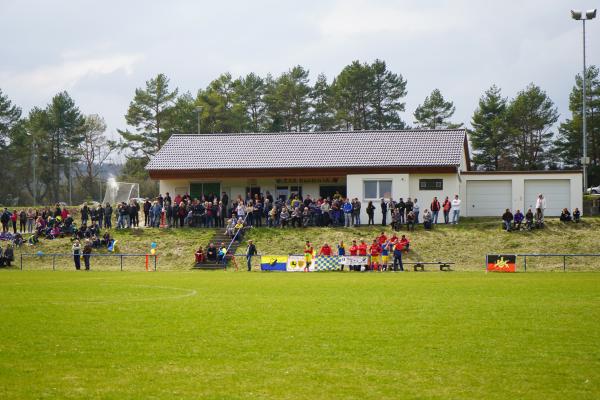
[(374, 190), (431, 184)]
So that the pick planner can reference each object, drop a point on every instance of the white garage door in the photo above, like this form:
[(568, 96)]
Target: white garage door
[(556, 191), (488, 198)]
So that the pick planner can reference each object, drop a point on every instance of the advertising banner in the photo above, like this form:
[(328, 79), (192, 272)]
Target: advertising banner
[(296, 263), (501, 263), (273, 263)]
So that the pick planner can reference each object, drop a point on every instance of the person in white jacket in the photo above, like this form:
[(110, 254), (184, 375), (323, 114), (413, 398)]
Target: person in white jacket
[(455, 209), (540, 206)]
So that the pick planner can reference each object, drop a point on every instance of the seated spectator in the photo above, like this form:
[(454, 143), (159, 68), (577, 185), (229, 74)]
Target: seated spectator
[(211, 252), (576, 215), (325, 250), (518, 219), (507, 219), (427, 219), (33, 239), (9, 255), (200, 257), (529, 220), (222, 252), (565, 215)]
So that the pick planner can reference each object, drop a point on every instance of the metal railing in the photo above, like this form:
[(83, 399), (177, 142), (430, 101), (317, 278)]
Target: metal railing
[(564, 257), (120, 256)]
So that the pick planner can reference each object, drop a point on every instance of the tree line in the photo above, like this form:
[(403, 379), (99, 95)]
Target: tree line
[(68, 149)]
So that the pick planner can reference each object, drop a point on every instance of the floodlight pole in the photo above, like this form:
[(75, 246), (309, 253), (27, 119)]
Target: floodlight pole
[(583, 16), (583, 116)]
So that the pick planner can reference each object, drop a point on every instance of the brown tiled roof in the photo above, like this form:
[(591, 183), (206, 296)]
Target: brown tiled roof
[(407, 148)]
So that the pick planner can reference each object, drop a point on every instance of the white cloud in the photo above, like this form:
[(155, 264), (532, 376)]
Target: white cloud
[(49, 79)]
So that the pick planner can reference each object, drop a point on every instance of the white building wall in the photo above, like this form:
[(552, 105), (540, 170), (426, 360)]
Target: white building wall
[(518, 187), (451, 186), (355, 189)]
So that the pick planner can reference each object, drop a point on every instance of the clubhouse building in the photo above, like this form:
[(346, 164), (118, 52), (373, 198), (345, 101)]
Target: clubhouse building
[(368, 165)]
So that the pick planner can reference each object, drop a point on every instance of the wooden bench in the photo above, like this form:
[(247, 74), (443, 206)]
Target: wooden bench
[(444, 266)]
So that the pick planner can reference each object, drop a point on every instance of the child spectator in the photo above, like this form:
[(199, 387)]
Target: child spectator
[(576, 215), (518, 219)]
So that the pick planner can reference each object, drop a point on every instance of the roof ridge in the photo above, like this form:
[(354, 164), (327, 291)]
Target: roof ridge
[(320, 132)]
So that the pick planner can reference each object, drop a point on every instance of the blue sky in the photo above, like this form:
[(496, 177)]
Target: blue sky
[(100, 51)]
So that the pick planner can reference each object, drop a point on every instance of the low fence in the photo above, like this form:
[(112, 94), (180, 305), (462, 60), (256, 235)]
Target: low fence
[(150, 260), (559, 255)]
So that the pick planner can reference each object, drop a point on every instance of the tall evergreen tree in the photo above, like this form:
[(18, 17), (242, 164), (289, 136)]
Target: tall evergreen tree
[(353, 94), (221, 113), (388, 91), (10, 116), (489, 136), (250, 92), (149, 114), (530, 116), (322, 118), (568, 145), (435, 112)]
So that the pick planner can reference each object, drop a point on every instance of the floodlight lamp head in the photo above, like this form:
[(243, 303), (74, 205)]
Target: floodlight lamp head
[(590, 14), (576, 14)]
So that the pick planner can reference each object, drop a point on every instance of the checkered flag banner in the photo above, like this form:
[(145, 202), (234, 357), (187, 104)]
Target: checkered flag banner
[(327, 263)]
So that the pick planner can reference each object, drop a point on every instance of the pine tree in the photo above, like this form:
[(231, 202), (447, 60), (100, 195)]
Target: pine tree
[(489, 136), (322, 118), (568, 145), (435, 112), (388, 91), (149, 114), (530, 116)]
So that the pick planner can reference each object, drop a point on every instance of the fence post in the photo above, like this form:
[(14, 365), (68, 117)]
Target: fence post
[(155, 257), (121, 257), (564, 263), (524, 263), (53, 262), (21, 261)]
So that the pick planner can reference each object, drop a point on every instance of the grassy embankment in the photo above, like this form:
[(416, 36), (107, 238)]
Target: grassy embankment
[(465, 244)]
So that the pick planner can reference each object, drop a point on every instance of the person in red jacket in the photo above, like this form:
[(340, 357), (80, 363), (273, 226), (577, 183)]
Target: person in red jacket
[(362, 248), (381, 239), (353, 249), (325, 250), (375, 250), (394, 239), (435, 209), (404, 243)]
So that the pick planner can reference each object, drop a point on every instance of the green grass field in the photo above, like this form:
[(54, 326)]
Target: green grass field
[(217, 335)]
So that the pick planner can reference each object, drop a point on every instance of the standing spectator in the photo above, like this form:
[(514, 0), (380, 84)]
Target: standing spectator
[(446, 208), (435, 209), (370, 213), (85, 213), (356, 209), (5, 219), (30, 220), (529, 219), (347, 208), (325, 250), (410, 221), (455, 209), (250, 252), (22, 221), (77, 254), (383, 212), (398, 247), (507, 219), (401, 207), (147, 206), (416, 210), (100, 212), (87, 253), (108, 216), (540, 204), (13, 220)]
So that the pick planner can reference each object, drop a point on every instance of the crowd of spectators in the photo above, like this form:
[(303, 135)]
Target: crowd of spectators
[(297, 211)]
